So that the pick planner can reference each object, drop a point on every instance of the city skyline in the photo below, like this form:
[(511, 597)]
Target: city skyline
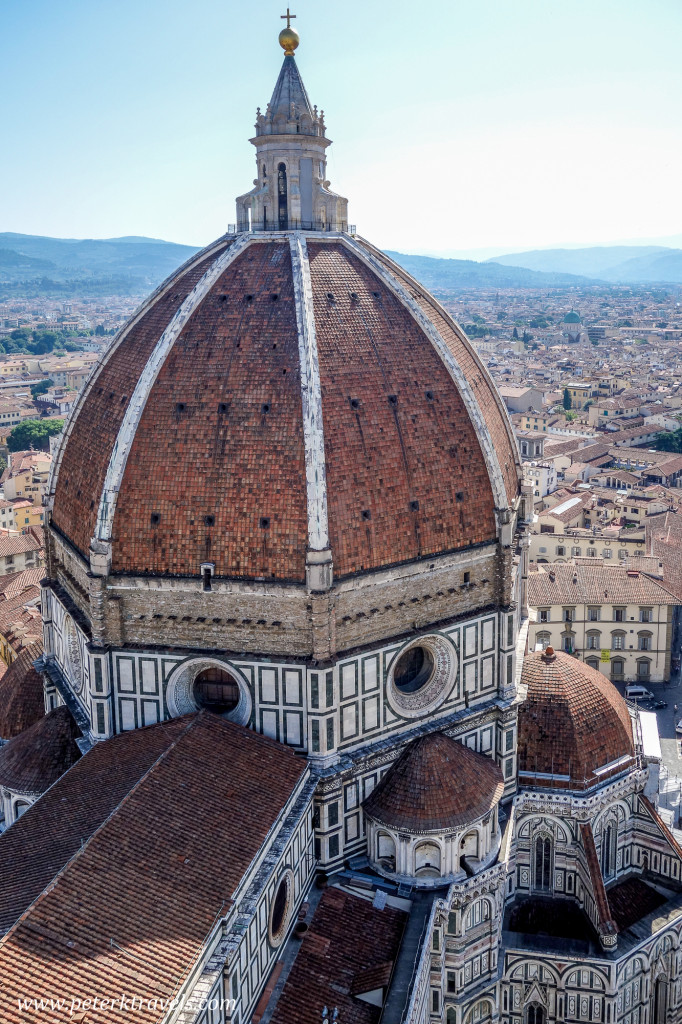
[(551, 128)]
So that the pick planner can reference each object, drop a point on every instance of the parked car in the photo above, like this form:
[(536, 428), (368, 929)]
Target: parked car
[(678, 727), (636, 692), (656, 705)]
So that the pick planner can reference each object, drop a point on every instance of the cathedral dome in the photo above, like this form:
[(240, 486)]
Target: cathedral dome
[(436, 784), (285, 393), (21, 693), (575, 729), (32, 761)]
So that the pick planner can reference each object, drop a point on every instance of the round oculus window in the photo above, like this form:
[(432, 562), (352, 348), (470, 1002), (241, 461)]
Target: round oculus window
[(280, 910), (413, 669), (421, 676), (216, 690)]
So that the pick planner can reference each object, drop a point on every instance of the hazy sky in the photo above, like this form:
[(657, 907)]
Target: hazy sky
[(457, 126)]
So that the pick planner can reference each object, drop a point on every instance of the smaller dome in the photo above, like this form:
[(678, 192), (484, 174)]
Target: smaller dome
[(32, 761), (21, 693), (575, 729), (572, 318), (437, 783)]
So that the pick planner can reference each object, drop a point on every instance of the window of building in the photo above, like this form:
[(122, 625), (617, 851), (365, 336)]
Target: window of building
[(334, 846), (413, 669), (617, 669), (608, 851), (535, 1014), (593, 614), (544, 639), (593, 641), (567, 615), (216, 690), (607, 553), (622, 553), (509, 740), (591, 552), (643, 669), (576, 552), (544, 615), (543, 863), (567, 643), (645, 615), (561, 550), (644, 642), (619, 614), (618, 641)]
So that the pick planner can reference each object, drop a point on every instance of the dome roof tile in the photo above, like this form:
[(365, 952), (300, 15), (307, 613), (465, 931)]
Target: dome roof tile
[(32, 761), (574, 727), (437, 783)]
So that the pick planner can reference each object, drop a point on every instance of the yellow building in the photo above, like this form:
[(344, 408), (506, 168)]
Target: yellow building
[(27, 514)]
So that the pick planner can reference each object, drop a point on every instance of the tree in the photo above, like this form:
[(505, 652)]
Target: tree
[(567, 399), (99, 330), (669, 441), (515, 334), (33, 434), (41, 388)]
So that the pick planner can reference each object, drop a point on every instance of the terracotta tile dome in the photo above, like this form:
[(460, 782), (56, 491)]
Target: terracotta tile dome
[(32, 761), (575, 730), (21, 693), (437, 783), (279, 387)]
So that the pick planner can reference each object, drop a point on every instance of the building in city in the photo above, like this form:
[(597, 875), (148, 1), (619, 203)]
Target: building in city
[(294, 766)]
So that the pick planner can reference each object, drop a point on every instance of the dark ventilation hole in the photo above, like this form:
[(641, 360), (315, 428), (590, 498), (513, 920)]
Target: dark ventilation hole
[(414, 505), (275, 345), (284, 372), (92, 504), (274, 298), (249, 298), (124, 399), (354, 296), (100, 390), (155, 518), (366, 513), (429, 396), (413, 669), (354, 403), (459, 495), (209, 520), (112, 394), (265, 522), (216, 691), (223, 298), (392, 399), (330, 297), (377, 295), (265, 407), (467, 577), (223, 407), (180, 407), (238, 345)]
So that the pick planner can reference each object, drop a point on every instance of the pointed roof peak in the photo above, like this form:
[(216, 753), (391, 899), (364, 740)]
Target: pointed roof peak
[(289, 97)]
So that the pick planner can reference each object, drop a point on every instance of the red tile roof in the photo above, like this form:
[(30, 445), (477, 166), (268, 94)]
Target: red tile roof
[(572, 722), (21, 693), (131, 910), (218, 456), (32, 761), (436, 783), (350, 945), (584, 583)]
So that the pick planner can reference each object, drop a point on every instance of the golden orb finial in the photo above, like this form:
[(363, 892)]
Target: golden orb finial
[(288, 38)]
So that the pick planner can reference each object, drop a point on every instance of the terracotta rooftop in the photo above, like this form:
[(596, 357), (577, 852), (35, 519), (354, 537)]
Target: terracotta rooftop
[(21, 693), (349, 950), (575, 730), (103, 862), (406, 474), (32, 761), (436, 783), (563, 583)]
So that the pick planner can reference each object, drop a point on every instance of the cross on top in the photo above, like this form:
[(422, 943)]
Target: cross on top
[(288, 17)]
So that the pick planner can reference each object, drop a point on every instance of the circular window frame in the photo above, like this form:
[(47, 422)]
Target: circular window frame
[(72, 654), (180, 689), (286, 878), (437, 688)]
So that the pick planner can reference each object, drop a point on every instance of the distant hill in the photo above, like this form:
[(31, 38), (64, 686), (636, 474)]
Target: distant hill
[(614, 263), (443, 275), (143, 262)]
